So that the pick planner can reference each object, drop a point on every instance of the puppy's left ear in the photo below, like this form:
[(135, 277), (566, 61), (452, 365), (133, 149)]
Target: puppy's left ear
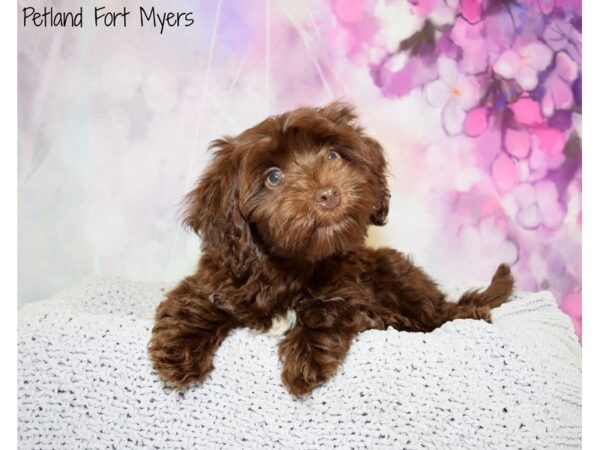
[(378, 167), (371, 156)]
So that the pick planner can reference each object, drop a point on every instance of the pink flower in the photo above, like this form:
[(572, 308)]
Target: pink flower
[(527, 111), (550, 140), (454, 92), (559, 94), (504, 172), (471, 10), (476, 122), (517, 142), (537, 150), (523, 65)]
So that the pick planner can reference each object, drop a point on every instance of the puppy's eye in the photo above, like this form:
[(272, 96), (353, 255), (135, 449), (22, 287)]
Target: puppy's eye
[(331, 155), (274, 177)]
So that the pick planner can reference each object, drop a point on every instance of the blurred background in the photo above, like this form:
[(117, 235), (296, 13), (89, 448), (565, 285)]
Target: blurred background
[(477, 103)]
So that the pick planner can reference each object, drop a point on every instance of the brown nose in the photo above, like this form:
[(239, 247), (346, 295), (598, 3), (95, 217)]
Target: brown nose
[(328, 197)]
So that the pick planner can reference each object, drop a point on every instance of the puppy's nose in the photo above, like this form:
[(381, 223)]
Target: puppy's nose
[(328, 197)]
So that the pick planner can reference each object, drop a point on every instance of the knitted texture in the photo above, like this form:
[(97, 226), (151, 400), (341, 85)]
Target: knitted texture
[(85, 381)]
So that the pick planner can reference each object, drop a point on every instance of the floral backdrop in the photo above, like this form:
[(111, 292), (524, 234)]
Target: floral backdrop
[(477, 102)]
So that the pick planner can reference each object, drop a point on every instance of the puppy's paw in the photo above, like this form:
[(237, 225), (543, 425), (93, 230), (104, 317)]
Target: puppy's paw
[(181, 359), (301, 381), (310, 358), (186, 333)]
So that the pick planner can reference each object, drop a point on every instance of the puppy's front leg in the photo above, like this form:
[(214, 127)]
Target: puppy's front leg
[(313, 350), (187, 331)]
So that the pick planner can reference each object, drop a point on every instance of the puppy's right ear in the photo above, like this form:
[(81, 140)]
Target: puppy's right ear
[(343, 114), (212, 210)]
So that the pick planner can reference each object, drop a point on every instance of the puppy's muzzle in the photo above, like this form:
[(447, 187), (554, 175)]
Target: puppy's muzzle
[(328, 197)]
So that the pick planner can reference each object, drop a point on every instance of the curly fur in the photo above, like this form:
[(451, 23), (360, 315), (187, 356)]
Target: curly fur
[(269, 249)]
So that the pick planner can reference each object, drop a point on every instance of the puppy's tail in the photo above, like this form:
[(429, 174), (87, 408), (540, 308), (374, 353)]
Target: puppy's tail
[(495, 294)]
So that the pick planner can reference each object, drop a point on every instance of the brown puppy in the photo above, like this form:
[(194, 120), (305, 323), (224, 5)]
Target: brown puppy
[(283, 211)]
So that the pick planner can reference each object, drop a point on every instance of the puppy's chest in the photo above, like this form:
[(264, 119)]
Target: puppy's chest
[(337, 290), (282, 323), (283, 296)]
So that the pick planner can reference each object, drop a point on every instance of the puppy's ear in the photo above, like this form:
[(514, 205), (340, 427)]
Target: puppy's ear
[(371, 156), (212, 210), (378, 168)]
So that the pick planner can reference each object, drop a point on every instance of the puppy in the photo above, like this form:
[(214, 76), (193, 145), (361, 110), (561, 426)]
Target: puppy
[(283, 211)]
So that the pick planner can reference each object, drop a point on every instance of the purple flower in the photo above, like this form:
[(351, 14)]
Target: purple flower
[(535, 204), (544, 6), (454, 92), (399, 75), (439, 11), (475, 50), (562, 35), (489, 236), (559, 94), (524, 64)]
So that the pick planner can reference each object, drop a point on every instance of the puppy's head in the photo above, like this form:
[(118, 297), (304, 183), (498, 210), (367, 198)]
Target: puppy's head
[(304, 185)]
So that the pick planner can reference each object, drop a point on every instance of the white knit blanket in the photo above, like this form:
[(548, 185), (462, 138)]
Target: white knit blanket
[(85, 381)]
